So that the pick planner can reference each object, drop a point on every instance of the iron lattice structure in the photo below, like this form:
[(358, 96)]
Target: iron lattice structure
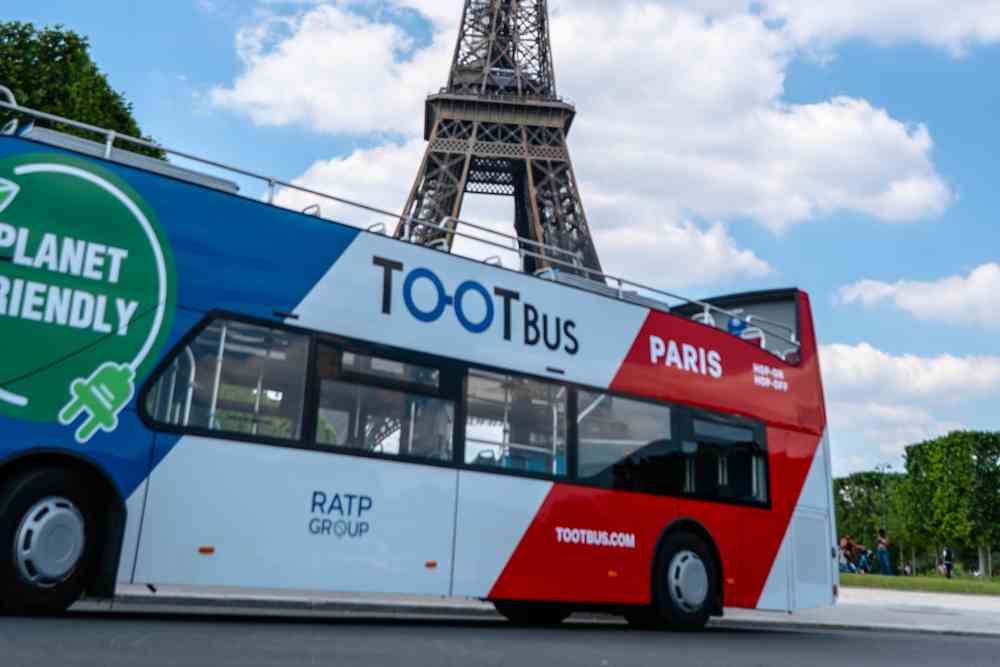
[(499, 128)]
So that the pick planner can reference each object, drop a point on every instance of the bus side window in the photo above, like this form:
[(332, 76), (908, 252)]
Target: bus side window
[(235, 378), (627, 445), (516, 423), (381, 406), (730, 462)]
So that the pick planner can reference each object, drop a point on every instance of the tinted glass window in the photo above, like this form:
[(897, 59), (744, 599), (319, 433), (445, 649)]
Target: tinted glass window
[(727, 462), (516, 423), (626, 444), (235, 378), (357, 411)]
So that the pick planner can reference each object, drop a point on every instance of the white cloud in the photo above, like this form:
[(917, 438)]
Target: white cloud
[(334, 71), (973, 299), (850, 370), (955, 25), (864, 434), (671, 253), (380, 177), (716, 140), (879, 403)]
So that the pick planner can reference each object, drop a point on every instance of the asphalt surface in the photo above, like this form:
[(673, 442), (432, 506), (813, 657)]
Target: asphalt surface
[(251, 639)]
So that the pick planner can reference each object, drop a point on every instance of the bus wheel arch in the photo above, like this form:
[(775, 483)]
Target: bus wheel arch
[(105, 504)]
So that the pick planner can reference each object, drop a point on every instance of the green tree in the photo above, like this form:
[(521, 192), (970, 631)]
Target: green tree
[(915, 496), (952, 476), (985, 494), (50, 69), (941, 477)]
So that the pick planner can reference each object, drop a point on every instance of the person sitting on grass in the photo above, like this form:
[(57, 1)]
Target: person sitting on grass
[(844, 556), (862, 558)]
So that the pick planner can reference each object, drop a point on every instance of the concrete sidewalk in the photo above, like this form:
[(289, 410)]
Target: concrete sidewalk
[(859, 609), (882, 610)]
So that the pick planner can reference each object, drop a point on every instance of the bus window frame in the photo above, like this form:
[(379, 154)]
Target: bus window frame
[(682, 418), (570, 388), (453, 386), (230, 436), (307, 439), (448, 377)]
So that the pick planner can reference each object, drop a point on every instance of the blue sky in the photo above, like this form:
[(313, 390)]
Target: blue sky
[(846, 148)]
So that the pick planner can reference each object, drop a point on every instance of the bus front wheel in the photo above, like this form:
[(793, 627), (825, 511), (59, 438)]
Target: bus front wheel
[(531, 613), (47, 541)]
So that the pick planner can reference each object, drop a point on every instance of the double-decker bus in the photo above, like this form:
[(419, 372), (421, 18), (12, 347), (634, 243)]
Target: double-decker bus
[(201, 388)]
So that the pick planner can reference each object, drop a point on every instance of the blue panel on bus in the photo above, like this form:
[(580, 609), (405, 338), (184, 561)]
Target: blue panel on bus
[(222, 252), (230, 252)]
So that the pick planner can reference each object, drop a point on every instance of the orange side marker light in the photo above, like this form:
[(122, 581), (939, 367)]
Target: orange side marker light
[(206, 551), (431, 564)]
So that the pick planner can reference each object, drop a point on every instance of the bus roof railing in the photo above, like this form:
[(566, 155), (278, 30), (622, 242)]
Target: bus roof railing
[(557, 258)]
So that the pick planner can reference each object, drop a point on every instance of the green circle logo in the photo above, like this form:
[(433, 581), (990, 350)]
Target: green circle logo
[(87, 292)]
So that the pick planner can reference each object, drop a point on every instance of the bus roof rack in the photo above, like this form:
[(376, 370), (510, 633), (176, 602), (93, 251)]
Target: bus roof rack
[(122, 156), (561, 265)]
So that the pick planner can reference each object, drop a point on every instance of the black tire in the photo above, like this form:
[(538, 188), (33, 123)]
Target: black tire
[(644, 618), (687, 616), (532, 613), (19, 595)]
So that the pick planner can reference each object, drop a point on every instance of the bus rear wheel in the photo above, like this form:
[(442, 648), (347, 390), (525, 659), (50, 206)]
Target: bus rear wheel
[(47, 541), (532, 613), (685, 582)]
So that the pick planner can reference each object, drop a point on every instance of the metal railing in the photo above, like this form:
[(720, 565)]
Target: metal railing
[(553, 256)]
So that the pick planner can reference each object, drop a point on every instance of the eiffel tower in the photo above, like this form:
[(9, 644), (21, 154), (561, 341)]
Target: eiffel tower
[(499, 128)]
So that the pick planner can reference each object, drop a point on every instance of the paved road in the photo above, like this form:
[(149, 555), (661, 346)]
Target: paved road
[(250, 640)]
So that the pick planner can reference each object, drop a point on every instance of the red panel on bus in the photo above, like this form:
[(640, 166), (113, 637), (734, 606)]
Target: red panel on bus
[(676, 359), (593, 569), (590, 564)]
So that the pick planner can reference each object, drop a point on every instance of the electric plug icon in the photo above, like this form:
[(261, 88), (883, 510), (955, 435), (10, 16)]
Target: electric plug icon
[(101, 396)]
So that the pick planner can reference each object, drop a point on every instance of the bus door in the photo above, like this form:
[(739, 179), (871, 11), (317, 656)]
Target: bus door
[(513, 424), (262, 485)]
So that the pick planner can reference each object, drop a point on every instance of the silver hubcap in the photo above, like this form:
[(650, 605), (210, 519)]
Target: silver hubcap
[(50, 541), (688, 581)]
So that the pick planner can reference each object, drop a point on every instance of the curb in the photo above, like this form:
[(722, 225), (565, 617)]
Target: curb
[(301, 604), (470, 611), (790, 624)]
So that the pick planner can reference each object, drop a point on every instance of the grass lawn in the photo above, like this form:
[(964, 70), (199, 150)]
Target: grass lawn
[(970, 585)]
